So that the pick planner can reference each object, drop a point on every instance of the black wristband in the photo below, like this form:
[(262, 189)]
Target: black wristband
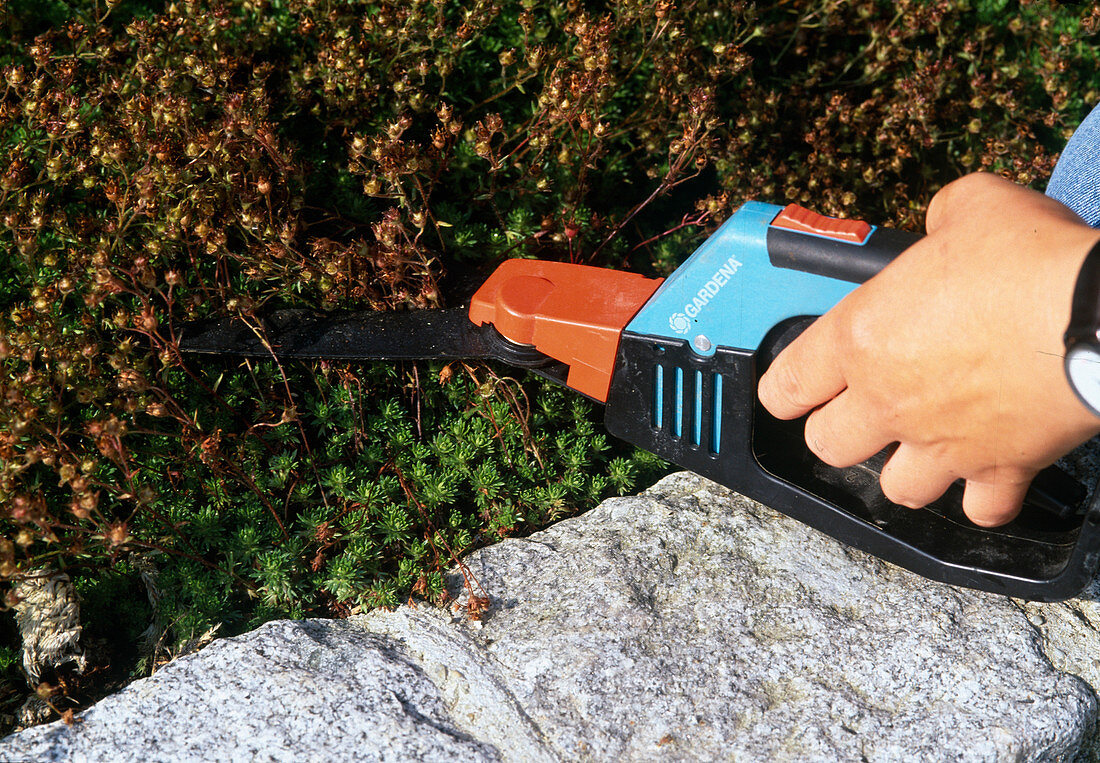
[(1084, 318)]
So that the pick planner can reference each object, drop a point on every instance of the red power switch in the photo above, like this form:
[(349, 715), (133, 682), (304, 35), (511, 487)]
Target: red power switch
[(802, 220)]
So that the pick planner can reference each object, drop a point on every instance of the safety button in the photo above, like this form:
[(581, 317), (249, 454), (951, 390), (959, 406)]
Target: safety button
[(802, 220)]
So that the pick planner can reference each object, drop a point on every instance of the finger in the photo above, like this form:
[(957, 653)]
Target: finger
[(843, 433), (805, 375), (913, 477), (991, 504)]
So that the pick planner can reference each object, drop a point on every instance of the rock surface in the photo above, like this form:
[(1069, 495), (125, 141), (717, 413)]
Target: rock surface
[(683, 623), (287, 691)]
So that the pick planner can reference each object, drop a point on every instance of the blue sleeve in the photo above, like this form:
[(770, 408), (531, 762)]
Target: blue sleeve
[(1076, 178)]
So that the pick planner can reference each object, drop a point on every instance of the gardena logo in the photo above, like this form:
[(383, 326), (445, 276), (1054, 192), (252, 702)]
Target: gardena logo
[(678, 321)]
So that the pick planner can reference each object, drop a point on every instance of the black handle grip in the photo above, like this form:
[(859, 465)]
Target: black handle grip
[(1053, 490), (824, 256), (701, 413)]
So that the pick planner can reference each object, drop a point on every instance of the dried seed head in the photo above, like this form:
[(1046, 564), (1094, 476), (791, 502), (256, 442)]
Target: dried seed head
[(117, 534)]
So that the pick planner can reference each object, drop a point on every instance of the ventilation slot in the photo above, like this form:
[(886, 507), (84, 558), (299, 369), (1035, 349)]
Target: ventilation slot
[(678, 405), (658, 396), (697, 417), (716, 416), (688, 405)]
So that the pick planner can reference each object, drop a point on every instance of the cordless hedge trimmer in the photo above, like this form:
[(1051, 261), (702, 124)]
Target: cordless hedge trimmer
[(676, 361)]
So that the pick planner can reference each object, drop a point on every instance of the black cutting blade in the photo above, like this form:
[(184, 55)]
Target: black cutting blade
[(362, 336)]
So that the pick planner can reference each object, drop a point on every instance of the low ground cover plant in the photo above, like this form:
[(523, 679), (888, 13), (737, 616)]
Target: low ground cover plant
[(167, 161)]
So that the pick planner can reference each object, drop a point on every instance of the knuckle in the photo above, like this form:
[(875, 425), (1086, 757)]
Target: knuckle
[(860, 336), (938, 207), (975, 182), (967, 186), (858, 332), (956, 196), (789, 385)]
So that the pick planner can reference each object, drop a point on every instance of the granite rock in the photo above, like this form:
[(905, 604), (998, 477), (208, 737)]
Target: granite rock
[(685, 623), (304, 691), (690, 622)]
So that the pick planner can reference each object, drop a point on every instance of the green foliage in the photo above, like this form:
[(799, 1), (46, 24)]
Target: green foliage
[(173, 160), (115, 605)]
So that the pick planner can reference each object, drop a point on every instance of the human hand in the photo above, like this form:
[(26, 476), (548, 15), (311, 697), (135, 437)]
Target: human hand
[(954, 351)]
